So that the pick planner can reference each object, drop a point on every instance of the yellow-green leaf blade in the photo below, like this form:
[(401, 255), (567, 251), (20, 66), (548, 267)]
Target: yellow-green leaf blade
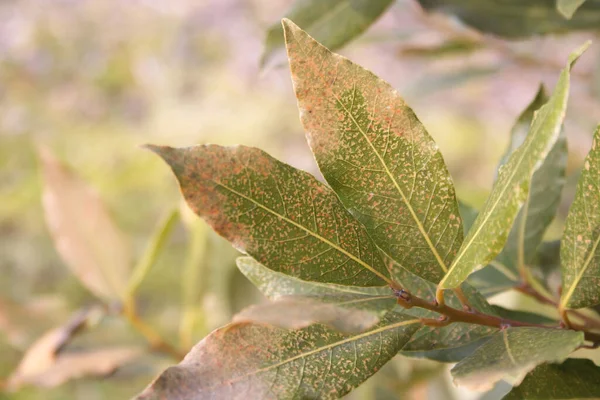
[(281, 216), (332, 22), (255, 362), (512, 353), (489, 233), (573, 379), (568, 7), (377, 156), (579, 255)]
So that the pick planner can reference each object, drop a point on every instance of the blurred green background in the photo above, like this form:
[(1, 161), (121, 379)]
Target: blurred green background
[(92, 80)]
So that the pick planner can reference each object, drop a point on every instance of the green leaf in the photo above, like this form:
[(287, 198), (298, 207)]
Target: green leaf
[(281, 216), (448, 354), (512, 353), (579, 250), (573, 379), (468, 215), (295, 312), (518, 18), (536, 214), (84, 233), (568, 7), (490, 230), (333, 22), (377, 156), (524, 316), (257, 362)]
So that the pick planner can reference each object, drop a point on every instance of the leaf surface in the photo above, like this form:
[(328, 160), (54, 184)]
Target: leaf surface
[(535, 215), (84, 233), (257, 362), (568, 7), (512, 353), (490, 230), (579, 255), (281, 216), (573, 379), (333, 22), (295, 312), (377, 156), (517, 18)]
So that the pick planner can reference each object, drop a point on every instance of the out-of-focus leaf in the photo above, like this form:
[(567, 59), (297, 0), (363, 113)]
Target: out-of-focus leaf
[(275, 285), (45, 365), (155, 246), (257, 362), (490, 230), (517, 18), (295, 312), (75, 365), (83, 231), (281, 216), (447, 80), (377, 156), (568, 7), (449, 47), (580, 264), (512, 353), (332, 22), (573, 379), (468, 215), (524, 316)]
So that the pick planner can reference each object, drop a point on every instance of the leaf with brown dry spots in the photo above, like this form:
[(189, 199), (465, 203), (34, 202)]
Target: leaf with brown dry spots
[(511, 353), (377, 156), (489, 233), (83, 231), (258, 362), (281, 216), (579, 254)]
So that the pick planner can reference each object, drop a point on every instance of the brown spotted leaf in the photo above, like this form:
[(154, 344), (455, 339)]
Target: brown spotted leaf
[(579, 254), (281, 216), (377, 156), (512, 353), (296, 312), (489, 233), (258, 362)]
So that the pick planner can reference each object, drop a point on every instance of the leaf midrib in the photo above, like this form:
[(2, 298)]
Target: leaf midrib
[(319, 349), (404, 198), (314, 234), (484, 222)]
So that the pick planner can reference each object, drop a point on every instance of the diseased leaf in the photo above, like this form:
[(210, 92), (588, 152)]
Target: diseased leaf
[(518, 18), (84, 233), (573, 379), (512, 353), (377, 156), (257, 362), (580, 259), (295, 312), (535, 215), (568, 7), (274, 285), (281, 216), (333, 22), (490, 230)]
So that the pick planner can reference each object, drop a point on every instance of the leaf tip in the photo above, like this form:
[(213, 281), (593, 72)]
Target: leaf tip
[(577, 53), (171, 155)]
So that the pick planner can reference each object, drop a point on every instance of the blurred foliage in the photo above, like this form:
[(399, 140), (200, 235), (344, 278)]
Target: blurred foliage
[(92, 80)]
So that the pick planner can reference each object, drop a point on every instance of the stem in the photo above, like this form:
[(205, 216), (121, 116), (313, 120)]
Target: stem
[(154, 339), (451, 315)]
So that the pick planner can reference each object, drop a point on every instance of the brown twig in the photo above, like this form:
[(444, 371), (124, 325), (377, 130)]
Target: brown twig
[(154, 339), (451, 315)]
